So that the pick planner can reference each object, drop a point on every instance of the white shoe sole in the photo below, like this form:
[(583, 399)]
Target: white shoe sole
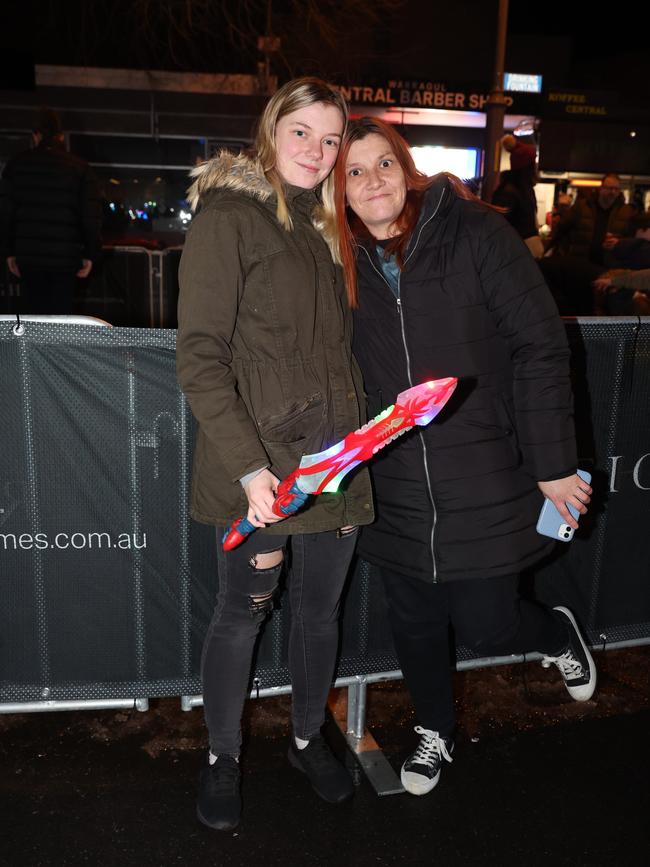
[(585, 691), (416, 784)]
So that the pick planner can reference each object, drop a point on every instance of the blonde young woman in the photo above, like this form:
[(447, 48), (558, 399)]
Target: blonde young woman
[(264, 357)]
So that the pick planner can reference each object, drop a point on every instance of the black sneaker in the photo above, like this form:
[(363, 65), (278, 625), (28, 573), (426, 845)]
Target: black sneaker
[(421, 771), (327, 776), (219, 803), (575, 663)]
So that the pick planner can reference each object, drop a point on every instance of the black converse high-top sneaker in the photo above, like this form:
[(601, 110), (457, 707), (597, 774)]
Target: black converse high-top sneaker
[(575, 662), (421, 771)]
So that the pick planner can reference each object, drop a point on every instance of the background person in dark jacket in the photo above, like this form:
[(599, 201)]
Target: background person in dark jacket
[(51, 219), (581, 245), (626, 292), (594, 223), (633, 253), (442, 286), (516, 193)]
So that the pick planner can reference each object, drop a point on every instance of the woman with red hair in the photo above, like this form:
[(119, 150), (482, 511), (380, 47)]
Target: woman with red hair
[(441, 285)]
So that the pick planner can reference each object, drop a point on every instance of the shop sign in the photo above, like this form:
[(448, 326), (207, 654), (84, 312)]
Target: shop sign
[(576, 104), (422, 93)]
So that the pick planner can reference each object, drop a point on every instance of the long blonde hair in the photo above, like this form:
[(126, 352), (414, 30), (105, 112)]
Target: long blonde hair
[(296, 94)]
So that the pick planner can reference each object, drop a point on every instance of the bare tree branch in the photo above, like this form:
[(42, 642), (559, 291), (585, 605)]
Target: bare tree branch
[(206, 34)]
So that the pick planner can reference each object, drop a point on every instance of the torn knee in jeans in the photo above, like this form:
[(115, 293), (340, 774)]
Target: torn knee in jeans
[(260, 605), (266, 561), (342, 532), (265, 564)]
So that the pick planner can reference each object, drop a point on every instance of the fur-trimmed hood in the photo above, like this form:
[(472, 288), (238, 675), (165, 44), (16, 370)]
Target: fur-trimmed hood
[(239, 172)]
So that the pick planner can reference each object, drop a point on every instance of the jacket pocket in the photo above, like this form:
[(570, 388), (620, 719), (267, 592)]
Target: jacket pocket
[(302, 421)]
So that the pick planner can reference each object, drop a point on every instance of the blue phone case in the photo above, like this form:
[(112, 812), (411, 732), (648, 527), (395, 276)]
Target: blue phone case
[(551, 523)]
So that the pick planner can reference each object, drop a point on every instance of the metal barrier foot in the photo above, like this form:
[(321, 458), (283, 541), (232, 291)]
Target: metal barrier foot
[(349, 712)]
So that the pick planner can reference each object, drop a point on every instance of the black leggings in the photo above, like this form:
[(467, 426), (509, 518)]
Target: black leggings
[(488, 617)]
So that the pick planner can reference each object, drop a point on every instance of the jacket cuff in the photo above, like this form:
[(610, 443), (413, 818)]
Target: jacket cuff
[(245, 458), (250, 476), (563, 475)]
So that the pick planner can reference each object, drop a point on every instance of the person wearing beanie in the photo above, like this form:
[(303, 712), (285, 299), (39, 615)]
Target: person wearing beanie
[(50, 220), (516, 193)]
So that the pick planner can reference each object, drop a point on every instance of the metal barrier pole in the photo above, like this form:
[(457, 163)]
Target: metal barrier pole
[(139, 623), (49, 319), (155, 277), (357, 708), (353, 703), (350, 717), (141, 704)]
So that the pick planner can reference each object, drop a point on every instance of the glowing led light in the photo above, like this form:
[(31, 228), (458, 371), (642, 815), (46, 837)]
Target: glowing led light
[(333, 485)]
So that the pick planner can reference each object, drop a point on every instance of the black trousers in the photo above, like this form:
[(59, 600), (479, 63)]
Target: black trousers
[(488, 616), (46, 292)]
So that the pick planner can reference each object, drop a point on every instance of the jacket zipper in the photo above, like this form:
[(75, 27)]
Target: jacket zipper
[(408, 373)]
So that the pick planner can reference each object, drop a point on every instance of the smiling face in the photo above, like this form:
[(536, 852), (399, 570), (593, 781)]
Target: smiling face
[(375, 186), (307, 143)]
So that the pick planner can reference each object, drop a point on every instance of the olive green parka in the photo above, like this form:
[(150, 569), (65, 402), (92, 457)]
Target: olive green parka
[(264, 347)]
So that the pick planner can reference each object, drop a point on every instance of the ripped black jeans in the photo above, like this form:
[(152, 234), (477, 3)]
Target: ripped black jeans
[(318, 566)]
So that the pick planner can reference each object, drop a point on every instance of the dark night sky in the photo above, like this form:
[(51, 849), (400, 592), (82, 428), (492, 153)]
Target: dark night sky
[(437, 40)]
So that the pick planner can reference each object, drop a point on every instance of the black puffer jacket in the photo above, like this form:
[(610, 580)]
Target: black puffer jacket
[(459, 499), (520, 204), (50, 210)]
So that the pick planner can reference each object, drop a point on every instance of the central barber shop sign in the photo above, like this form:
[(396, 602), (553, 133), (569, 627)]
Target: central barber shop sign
[(421, 93)]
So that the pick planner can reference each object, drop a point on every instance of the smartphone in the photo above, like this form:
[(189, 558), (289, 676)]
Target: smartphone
[(551, 523)]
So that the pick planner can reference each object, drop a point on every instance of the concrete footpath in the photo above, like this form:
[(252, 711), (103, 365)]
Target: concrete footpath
[(536, 780)]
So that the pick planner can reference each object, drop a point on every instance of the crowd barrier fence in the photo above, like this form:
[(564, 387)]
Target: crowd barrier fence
[(130, 286), (108, 586)]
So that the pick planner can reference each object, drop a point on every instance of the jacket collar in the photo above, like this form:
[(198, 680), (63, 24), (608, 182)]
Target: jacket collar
[(300, 199), (437, 200), (243, 173), (228, 171)]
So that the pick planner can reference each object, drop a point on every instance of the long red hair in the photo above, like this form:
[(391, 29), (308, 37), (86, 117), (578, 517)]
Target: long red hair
[(349, 226)]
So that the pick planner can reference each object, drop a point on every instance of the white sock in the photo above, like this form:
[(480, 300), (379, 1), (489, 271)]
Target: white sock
[(212, 758), (300, 743)]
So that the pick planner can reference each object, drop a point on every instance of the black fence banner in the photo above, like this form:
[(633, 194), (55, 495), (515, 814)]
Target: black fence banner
[(106, 584)]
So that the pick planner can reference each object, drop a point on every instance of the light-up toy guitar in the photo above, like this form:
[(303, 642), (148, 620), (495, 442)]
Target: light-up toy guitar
[(324, 471)]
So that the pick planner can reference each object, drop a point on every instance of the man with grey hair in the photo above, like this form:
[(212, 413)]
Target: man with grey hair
[(581, 243), (50, 219), (595, 222)]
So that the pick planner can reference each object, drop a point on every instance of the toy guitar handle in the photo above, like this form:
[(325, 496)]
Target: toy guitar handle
[(288, 499)]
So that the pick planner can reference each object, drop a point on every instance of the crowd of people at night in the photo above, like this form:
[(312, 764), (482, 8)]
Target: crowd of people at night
[(321, 276), (596, 243)]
